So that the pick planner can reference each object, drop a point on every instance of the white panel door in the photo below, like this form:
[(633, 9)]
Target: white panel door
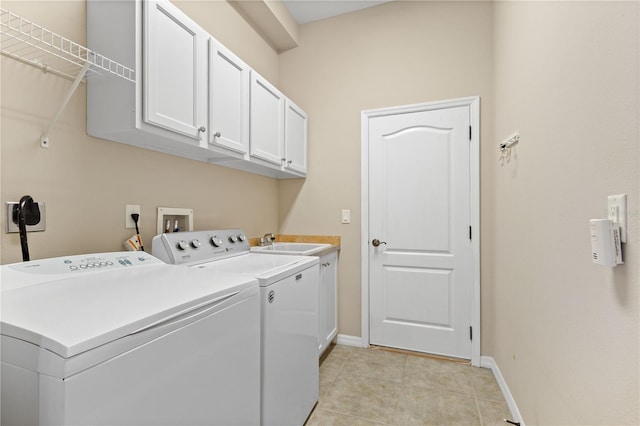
[(175, 78), (295, 137), (267, 121), (419, 209), (229, 99)]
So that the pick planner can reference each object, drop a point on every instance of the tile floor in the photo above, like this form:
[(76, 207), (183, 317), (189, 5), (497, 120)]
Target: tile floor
[(379, 387)]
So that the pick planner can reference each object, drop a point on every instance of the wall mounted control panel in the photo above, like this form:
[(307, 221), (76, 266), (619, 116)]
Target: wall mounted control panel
[(617, 212), (607, 235), (605, 242)]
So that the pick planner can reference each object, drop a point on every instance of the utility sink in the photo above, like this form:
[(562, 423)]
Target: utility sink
[(303, 249)]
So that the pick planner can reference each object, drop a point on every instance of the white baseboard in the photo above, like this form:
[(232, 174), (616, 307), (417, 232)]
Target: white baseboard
[(346, 340), (489, 362)]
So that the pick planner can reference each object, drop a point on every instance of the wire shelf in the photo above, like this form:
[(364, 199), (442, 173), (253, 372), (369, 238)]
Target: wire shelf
[(34, 45), (30, 43)]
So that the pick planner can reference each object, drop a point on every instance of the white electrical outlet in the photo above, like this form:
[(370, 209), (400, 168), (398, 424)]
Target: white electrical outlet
[(617, 212), (129, 210), (13, 227)]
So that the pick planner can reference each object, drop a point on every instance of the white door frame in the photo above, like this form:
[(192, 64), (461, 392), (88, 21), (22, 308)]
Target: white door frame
[(474, 107)]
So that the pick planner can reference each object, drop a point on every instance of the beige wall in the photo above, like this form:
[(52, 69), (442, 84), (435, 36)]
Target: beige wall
[(394, 54), (86, 182), (563, 330)]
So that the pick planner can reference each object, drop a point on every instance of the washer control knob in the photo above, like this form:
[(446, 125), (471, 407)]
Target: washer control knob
[(242, 238), (217, 242), (196, 244), (233, 239), (182, 245)]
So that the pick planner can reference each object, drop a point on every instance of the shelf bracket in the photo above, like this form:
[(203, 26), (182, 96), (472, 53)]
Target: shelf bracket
[(34, 45), (44, 139)]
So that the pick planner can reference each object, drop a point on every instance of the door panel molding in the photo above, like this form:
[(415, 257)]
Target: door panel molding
[(474, 107)]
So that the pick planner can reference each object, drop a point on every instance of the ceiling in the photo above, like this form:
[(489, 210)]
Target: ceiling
[(304, 11)]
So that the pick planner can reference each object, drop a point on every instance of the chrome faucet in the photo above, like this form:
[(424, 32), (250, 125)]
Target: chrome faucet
[(267, 239)]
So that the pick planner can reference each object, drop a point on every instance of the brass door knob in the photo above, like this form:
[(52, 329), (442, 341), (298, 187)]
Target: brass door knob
[(376, 242)]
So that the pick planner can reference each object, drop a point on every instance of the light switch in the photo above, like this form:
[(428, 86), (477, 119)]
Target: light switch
[(617, 212), (346, 216)]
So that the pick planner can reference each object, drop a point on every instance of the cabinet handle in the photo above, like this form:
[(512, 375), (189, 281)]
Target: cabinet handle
[(217, 134), (202, 129)]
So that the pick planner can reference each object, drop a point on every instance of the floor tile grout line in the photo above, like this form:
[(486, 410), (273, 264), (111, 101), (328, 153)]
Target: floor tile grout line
[(333, 381), (475, 399), (342, 374), (357, 417), (402, 386)]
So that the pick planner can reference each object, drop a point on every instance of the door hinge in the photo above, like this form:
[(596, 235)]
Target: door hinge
[(469, 132), (469, 232), (470, 333)]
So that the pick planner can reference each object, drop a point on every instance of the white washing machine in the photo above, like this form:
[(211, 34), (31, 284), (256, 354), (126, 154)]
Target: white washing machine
[(288, 309), (124, 339)]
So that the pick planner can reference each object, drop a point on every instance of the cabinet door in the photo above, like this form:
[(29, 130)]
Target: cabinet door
[(295, 137), (267, 121), (229, 99), (328, 319), (175, 79)]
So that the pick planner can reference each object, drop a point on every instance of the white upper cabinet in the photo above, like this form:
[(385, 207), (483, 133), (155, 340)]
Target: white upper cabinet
[(228, 99), (278, 128), (166, 109), (192, 97), (295, 138), (267, 121), (175, 79)]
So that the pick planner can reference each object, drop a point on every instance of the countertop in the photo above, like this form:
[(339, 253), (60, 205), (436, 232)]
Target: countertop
[(334, 240)]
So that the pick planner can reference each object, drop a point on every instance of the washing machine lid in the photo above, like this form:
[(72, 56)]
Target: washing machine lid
[(78, 313), (267, 268)]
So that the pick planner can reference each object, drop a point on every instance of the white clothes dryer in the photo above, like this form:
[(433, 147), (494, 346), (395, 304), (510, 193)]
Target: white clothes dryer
[(288, 310), (123, 339)]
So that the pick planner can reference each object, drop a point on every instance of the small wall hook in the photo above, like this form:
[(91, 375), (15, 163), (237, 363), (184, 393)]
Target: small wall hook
[(505, 146)]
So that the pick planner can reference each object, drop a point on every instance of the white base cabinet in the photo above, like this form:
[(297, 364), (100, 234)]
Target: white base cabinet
[(328, 301), (192, 96)]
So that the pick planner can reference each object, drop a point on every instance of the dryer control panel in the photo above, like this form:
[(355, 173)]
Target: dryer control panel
[(58, 268), (180, 248), (84, 262)]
